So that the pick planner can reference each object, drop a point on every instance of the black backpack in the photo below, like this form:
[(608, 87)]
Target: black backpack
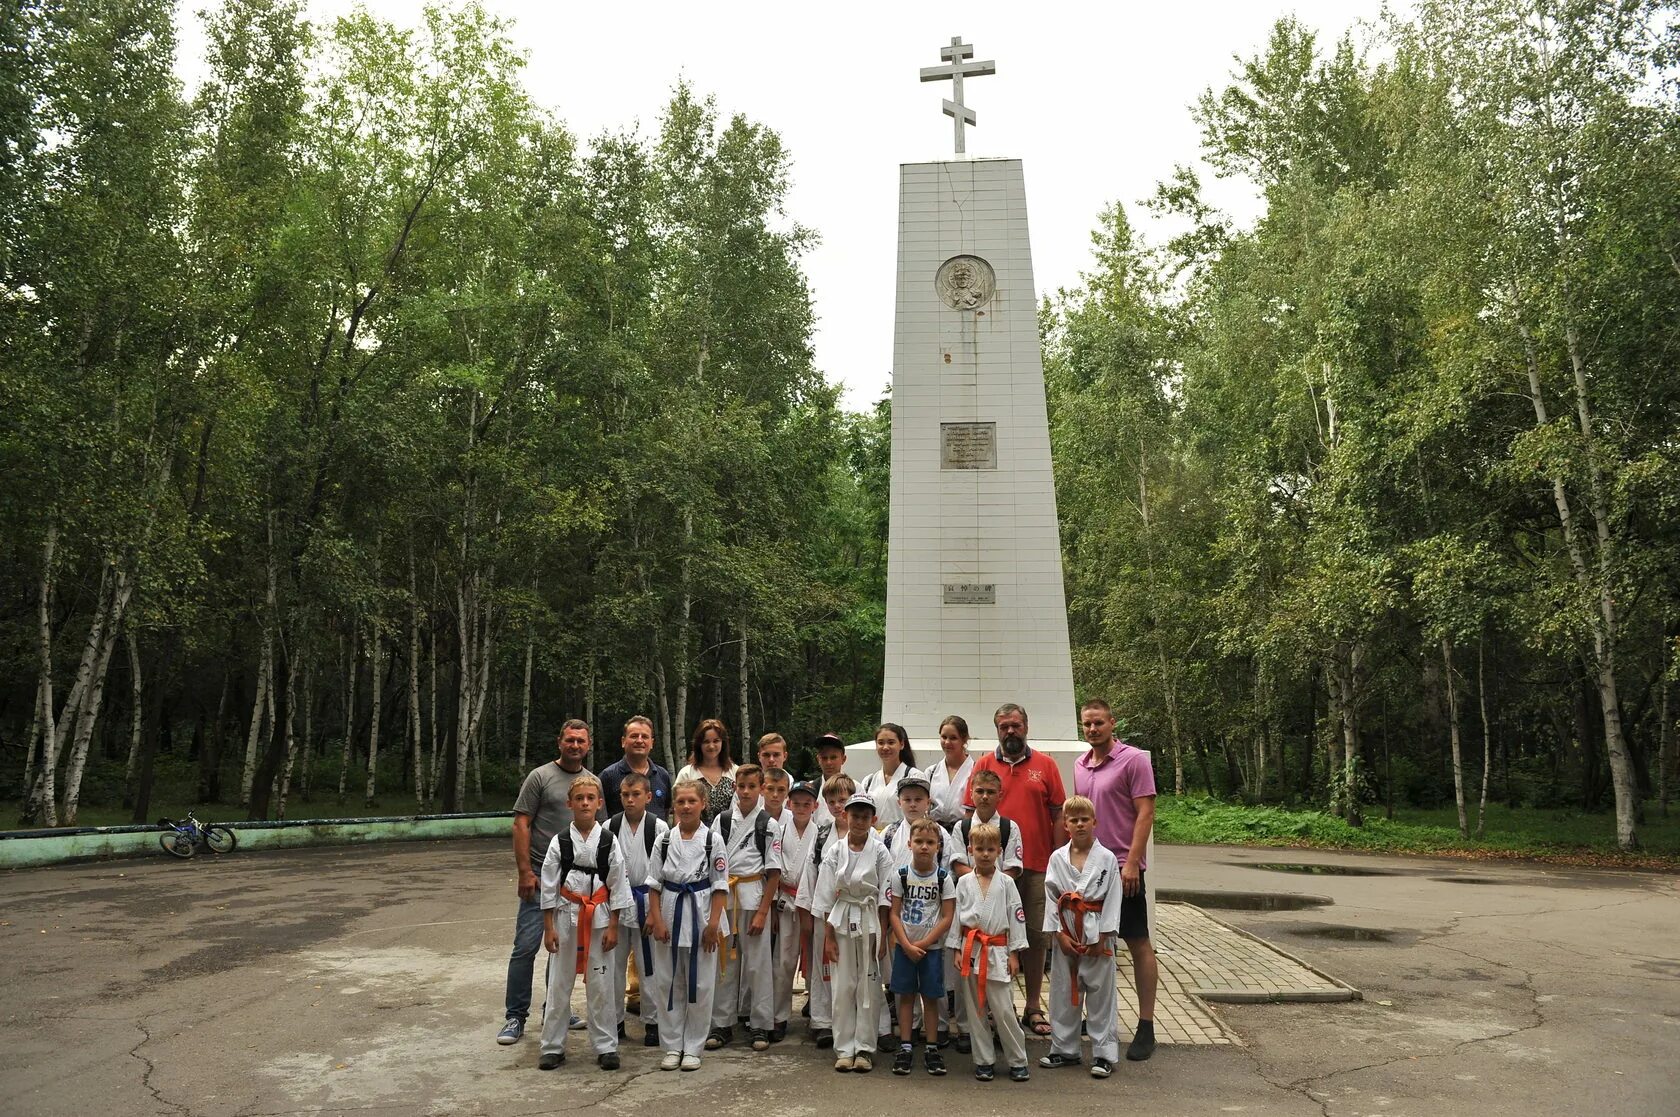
[(824, 831), (616, 826), (603, 856), (904, 879), (761, 834), (665, 849), (966, 827)]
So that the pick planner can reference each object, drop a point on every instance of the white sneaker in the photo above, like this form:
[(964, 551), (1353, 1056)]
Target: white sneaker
[(671, 1061), (691, 1062)]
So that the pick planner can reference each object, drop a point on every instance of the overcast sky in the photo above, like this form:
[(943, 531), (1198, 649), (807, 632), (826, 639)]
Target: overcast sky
[(1093, 97)]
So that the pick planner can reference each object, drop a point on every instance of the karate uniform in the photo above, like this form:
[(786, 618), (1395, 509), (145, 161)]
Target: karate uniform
[(883, 789), (747, 982), (685, 976), (819, 982), (634, 943), (852, 888), (796, 857), (1000, 915), (603, 893), (1087, 906)]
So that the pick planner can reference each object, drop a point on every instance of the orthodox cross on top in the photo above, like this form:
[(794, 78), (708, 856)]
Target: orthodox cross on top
[(957, 55)]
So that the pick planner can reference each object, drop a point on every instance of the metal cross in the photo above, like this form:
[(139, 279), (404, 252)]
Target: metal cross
[(957, 55)]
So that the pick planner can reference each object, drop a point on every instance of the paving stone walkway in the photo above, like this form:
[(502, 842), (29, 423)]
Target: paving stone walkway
[(1204, 960)]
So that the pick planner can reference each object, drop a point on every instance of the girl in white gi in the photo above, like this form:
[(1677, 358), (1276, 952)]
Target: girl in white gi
[(892, 745), (752, 843), (852, 895), (636, 833), (991, 928), (1082, 897), (820, 982), (690, 876), (799, 835), (583, 890)]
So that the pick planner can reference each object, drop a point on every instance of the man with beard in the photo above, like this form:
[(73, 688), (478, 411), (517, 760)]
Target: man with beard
[(1032, 800)]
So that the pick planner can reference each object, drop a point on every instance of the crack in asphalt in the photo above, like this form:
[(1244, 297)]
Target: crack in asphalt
[(1305, 1086), (151, 1068)]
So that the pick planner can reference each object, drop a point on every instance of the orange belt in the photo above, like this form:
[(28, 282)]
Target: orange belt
[(1072, 903), (965, 964), (586, 921)]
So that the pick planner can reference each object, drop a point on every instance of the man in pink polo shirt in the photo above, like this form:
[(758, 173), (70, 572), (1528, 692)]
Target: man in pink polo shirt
[(1121, 782)]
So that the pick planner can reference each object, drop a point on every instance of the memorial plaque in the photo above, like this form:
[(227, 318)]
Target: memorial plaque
[(971, 593), (968, 446)]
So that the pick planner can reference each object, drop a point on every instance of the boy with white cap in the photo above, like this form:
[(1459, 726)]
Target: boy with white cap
[(819, 979), (799, 837), (852, 896)]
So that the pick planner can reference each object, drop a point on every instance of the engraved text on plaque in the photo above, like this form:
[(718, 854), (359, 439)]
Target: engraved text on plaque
[(968, 446), (971, 593)]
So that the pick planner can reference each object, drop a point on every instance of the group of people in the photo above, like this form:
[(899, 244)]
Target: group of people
[(909, 900)]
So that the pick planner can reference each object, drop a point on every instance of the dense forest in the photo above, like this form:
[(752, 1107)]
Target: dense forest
[(358, 422)]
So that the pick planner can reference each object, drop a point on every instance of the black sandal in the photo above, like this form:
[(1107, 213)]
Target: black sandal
[(1032, 1029)]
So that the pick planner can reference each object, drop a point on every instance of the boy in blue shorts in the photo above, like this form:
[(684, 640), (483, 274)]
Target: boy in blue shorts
[(924, 900)]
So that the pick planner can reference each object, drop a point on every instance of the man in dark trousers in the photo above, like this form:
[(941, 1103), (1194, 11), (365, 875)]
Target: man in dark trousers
[(539, 813)]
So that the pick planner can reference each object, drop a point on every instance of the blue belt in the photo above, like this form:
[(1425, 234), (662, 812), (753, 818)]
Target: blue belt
[(685, 890), (639, 893)]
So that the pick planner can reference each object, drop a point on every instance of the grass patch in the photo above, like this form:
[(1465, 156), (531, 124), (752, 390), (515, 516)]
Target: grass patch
[(1562, 836)]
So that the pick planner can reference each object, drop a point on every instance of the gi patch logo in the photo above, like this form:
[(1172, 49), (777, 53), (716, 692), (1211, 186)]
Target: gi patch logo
[(1020, 915), (720, 865)]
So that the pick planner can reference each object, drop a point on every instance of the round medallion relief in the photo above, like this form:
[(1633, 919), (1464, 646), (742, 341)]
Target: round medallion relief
[(965, 282)]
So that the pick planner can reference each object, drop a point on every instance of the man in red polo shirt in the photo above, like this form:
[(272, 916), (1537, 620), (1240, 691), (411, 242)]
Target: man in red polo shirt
[(1032, 800), (1120, 781)]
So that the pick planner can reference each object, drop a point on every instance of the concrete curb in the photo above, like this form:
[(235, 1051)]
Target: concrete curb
[(36, 848), (1344, 991)]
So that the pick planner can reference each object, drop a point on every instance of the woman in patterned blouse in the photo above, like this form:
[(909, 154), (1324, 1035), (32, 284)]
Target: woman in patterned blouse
[(711, 765)]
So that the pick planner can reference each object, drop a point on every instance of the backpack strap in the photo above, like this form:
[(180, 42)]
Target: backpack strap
[(761, 837), (890, 833)]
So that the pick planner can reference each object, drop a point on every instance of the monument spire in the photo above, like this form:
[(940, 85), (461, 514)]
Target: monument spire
[(957, 55)]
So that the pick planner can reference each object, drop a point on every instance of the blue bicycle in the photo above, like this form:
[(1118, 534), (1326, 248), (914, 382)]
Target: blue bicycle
[(182, 838)]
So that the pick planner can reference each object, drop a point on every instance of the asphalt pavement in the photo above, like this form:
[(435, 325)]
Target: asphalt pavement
[(369, 980)]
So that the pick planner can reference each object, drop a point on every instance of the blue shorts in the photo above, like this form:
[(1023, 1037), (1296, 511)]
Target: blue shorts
[(925, 978)]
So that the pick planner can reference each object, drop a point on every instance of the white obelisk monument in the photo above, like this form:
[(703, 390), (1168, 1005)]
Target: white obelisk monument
[(976, 615)]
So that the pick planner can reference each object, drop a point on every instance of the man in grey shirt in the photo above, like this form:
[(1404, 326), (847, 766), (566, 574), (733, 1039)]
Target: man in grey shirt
[(540, 812)]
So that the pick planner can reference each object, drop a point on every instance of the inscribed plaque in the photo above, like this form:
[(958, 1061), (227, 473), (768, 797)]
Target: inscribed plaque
[(971, 593), (968, 446)]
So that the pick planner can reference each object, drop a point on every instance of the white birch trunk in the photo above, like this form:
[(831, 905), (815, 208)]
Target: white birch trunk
[(88, 718), (135, 719), (283, 781), (265, 667), (746, 725), (414, 685), (1452, 732), (686, 612), (43, 798), (525, 703), (349, 715), (1487, 732), (378, 708)]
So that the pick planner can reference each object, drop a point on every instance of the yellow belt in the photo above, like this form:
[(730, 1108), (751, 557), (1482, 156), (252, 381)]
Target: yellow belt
[(735, 928)]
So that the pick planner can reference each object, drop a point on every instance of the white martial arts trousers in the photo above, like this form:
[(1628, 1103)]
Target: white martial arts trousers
[(821, 983), (1098, 1005), (749, 986), (786, 953), (1000, 1002), (631, 950), (857, 995), (683, 1024), (598, 991)]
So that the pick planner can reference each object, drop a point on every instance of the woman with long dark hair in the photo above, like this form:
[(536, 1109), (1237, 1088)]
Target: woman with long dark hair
[(711, 765), (892, 745)]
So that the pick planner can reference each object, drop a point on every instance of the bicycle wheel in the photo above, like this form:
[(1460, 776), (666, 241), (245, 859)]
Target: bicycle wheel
[(177, 844), (220, 839)]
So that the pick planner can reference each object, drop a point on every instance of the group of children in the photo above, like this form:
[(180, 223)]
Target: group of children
[(720, 919)]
